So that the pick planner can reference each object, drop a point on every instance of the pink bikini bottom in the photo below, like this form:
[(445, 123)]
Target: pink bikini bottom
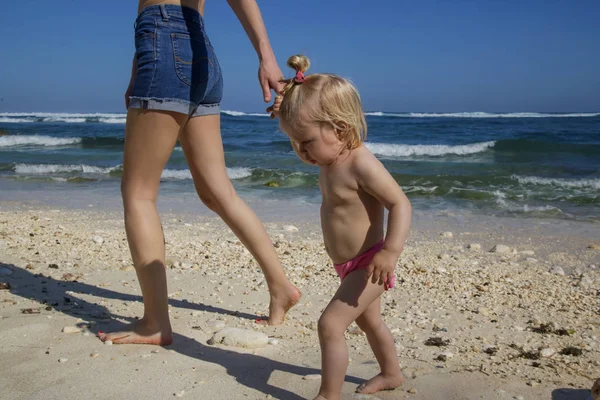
[(362, 261)]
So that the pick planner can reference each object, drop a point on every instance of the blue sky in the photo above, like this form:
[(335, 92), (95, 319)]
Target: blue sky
[(430, 56)]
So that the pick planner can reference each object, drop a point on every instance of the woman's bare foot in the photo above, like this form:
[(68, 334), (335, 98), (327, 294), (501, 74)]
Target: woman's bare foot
[(140, 332), (280, 304), (380, 382)]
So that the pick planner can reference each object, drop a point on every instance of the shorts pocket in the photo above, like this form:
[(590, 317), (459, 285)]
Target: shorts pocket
[(193, 59)]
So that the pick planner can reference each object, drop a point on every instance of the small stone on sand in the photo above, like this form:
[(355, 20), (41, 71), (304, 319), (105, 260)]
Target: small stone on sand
[(71, 329), (500, 248), (311, 377), (240, 338)]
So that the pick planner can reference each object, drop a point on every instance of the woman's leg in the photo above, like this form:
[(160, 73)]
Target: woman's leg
[(203, 148), (149, 140)]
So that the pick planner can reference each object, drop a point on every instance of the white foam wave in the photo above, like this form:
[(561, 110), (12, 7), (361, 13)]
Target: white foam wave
[(64, 115), (112, 120), (434, 150), (180, 174), (64, 119), (243, 114), (568, 183), (36, 140), (8, 120), (43, 169), (480, 114), (73, 118)]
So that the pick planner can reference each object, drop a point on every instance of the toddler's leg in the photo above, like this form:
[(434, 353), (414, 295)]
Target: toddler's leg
[(353, 297), (382, 343)]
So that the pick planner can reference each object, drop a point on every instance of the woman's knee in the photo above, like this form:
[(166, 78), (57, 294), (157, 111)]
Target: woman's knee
[(217, 199), (132, 192)]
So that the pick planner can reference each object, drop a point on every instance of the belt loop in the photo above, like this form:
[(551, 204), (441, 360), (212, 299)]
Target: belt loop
[(163, 12)]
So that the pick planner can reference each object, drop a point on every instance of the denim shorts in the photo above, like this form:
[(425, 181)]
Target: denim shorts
[(177, 69)]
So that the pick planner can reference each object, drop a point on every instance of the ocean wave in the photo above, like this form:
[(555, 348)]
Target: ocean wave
[(434, 150), (11, 120), (36, 140), (566, 183), (181, 174), (480, 114), (43, 169), (242, 114), (49, 169)]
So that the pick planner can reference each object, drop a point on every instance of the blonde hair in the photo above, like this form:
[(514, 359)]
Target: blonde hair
[(324, 99)]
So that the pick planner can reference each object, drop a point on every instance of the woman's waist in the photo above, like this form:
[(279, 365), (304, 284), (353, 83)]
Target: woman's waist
[(172, 10)]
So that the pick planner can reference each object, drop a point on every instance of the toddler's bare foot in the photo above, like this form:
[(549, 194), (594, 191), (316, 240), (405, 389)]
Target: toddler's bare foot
[(281, 304), (380, 382), (140, 332)]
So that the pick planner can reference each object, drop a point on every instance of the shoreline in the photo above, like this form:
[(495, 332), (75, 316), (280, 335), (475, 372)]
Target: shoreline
[(74, 267)]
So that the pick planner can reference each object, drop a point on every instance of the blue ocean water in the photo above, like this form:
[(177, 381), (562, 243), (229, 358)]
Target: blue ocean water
[(515, 164)]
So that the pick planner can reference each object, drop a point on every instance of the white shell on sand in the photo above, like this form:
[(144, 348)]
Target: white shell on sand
[(290, 228), (63, 360), (237, 337), (71, 329), (500, 248), (557, 271), (98, 239), (273, 341), (447, 234), (215, 326), (474, 246), (311, 377), (547, 352)]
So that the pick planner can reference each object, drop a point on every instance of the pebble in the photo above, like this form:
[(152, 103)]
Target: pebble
[(237, 337), (447, 234), (63, 360), (181, 393), (108, 342), (290, 228), (585, 281), (474, 246), (71, 329), (500, 248), (215, 325), (412, 391), (95, 354), (273, 341), (98, 239), (483, 311), (557, 271), (547, 352), (311, 377)]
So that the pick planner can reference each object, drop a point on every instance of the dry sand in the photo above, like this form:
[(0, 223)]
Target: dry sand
[(521, 322)]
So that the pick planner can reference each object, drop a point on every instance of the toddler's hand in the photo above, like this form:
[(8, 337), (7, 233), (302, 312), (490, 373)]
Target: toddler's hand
[(382, 267), (274, 109)]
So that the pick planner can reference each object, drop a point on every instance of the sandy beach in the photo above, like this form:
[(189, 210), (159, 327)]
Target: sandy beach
[(488, 310)]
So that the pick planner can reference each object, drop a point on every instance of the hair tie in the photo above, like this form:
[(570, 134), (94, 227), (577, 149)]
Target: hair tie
[(299, 77)]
